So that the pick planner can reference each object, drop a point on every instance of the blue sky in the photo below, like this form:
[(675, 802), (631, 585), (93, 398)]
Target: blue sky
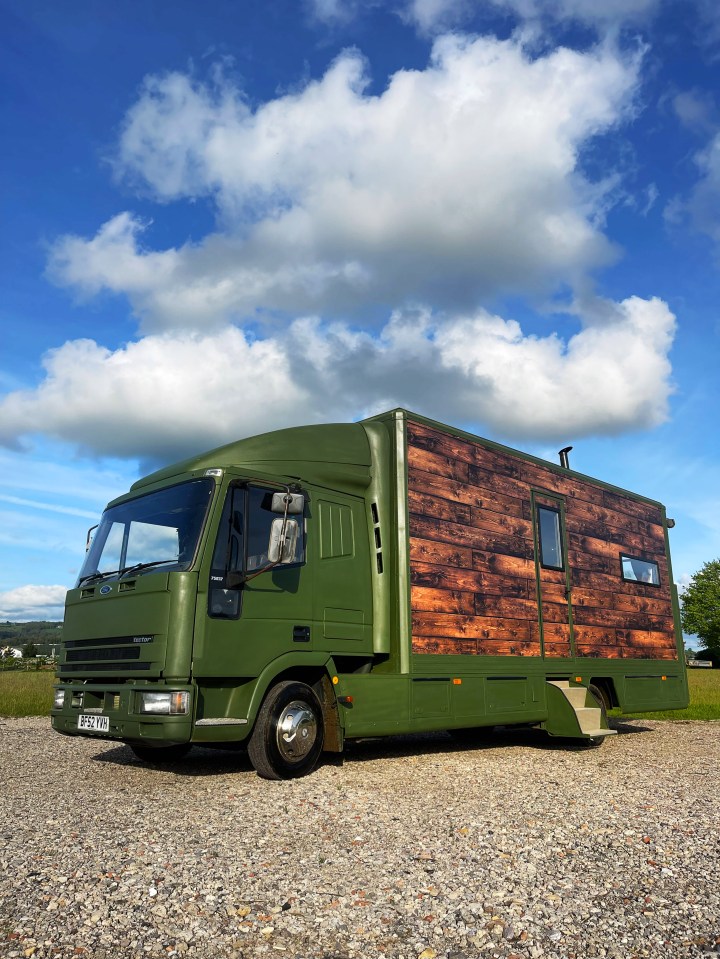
[(234, 217)]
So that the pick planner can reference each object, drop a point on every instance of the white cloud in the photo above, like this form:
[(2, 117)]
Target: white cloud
[(50, 507), (333, 12), (702, 206), (430, 16), (456, 183), (172, 394), (33, 603)]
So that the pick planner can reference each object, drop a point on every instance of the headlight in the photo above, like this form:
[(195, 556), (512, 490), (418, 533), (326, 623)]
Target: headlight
[(59, 699), (164, 704)]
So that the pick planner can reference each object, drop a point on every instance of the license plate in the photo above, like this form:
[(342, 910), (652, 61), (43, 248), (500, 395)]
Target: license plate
[(94, 724)]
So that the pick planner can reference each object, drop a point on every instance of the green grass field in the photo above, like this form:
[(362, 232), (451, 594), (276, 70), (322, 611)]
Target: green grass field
[(27, 693)]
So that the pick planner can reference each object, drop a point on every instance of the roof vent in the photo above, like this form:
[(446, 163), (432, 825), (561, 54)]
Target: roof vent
[(564, 461)]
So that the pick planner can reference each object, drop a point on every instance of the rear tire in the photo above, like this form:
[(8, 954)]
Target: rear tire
[(288, 736), (160, 754)]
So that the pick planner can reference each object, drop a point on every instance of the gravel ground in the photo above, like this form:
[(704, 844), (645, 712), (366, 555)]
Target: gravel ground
[(410, 847)]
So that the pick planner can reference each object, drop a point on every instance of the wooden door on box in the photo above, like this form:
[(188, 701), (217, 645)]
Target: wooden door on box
[(555, 621)]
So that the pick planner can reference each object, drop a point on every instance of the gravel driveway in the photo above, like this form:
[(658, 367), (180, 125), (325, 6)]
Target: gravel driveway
[(411, 847)]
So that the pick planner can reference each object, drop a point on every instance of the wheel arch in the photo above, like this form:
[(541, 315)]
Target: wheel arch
[(606, 686), (317, 672)]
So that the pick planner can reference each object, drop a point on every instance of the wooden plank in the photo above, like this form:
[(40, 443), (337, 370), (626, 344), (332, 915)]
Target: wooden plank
[(434, 509), (487, 647), (464, 647), (439, 465), (556, 638), (502, 523), (612, 582), (598, 651), (444, 554), (639, 653), (595, 636), (450, 577), (469, 627), (504, 565), (646, 639), (425, 527), (510, 606), (441, 600), (617, 619), (633, 507), (555, 613), (444, 645), (565, 485), (662, 606), (467, 494), (425, 504)]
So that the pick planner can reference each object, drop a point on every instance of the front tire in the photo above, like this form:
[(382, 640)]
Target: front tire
[(288, 736)]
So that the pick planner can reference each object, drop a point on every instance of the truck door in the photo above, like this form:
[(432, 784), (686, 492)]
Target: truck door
[(343, 592), (552, 575), (240, 629)]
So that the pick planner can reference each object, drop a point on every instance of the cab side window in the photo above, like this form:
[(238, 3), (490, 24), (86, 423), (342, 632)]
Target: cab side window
[(228, 557)]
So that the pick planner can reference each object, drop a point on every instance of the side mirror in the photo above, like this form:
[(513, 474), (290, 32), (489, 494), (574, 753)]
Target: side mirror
[(282, 549), (293, 502), (88, 539)]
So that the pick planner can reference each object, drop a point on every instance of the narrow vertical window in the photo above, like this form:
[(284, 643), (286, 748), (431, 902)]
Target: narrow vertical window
[(550, 538)]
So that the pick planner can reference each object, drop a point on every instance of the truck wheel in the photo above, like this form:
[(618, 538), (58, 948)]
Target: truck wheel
[(160, 754), (288, 735)]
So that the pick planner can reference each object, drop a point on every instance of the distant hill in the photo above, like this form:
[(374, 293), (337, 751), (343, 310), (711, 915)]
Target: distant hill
[(45, 634)]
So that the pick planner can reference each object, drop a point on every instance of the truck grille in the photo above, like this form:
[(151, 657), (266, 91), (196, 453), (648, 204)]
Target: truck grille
[(118, 654)]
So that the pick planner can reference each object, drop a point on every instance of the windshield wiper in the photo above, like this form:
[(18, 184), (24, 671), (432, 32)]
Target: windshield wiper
[(93, 576), (138, 566)]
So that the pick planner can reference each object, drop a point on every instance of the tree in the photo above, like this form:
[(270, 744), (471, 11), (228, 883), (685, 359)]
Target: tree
[(701, 605), (29, 651)]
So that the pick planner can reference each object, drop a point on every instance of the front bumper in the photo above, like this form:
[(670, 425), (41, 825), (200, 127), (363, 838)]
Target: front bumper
[(120, 705)]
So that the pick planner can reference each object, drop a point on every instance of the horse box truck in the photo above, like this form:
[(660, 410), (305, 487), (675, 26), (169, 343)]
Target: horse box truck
[(297, 589)]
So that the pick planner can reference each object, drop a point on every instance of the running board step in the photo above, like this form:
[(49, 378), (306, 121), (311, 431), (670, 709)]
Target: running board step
[(588, 718)]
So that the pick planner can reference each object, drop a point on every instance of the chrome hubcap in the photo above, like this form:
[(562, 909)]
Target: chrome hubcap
[(296, 731)]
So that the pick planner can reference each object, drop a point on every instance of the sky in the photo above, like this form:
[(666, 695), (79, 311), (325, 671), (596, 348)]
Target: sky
[(227, 218)]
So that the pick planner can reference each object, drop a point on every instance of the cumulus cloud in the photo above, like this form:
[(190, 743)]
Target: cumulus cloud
[(171, 394), (455, 184), (33, 603)]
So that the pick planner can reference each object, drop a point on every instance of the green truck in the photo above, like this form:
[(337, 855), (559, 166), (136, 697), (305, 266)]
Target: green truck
[(297, 589)]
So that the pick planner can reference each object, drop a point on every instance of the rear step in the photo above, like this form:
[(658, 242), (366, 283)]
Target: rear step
[(590, 718)]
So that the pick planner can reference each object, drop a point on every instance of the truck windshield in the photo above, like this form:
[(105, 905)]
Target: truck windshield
[(159, 529)]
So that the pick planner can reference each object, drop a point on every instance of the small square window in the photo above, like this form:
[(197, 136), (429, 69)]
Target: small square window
[(636, 570), (550, 538)]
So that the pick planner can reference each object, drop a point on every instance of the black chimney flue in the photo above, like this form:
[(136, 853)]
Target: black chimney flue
[(564, 461)]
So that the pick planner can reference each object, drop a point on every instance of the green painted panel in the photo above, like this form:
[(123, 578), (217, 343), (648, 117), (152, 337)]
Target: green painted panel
[(381, 704), (430, 697), (506, 695), (645, 692), (468, 698), (336, 530), (344, 624)]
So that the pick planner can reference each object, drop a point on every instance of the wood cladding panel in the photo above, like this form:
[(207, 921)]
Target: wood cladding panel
[(472, 562)]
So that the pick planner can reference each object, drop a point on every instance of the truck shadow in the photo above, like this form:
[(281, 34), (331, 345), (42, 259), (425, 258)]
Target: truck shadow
[(204, 761)]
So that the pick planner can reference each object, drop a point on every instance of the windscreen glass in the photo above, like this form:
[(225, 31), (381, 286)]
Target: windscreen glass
[(158, 530)]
